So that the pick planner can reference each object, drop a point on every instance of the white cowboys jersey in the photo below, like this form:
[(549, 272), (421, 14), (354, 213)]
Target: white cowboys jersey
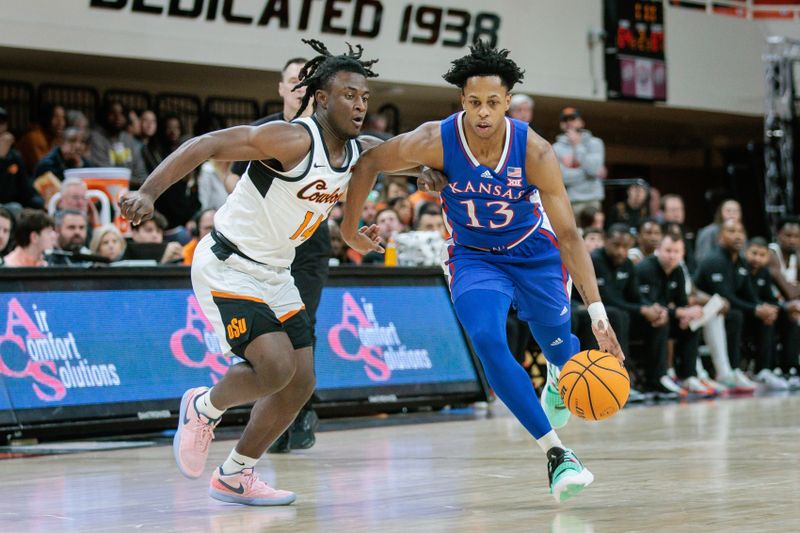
[(270, 212)]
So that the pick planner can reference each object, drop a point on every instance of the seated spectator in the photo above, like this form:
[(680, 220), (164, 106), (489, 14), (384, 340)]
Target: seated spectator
[(112, 146), (43, 135), (211, 189), (341, 253), (771, 362), (15, 187), (521, 108), (71, 229), (633, 210), (108, 242), (151, 151), (654, 206), (723, 271), (76, 119), (394, 187), (662, 282), (783, 260), (594, 238), (430, 219), (388, 226), (34, 235), (420, 198), (6, 229), (370, 209), (375, 124), (619, 288), (180, 201), (73, 196), (648, 237), (675, 215), (68, 155), (134, 128), (337, 213), (203, 224), (402, 206), (708, 237), (147, 242), (591, 217), (172, 134)]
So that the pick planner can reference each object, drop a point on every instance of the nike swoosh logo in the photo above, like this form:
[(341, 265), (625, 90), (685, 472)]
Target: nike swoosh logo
[(239, 490), (560, 408), (237, 462), (318, 166), (194, 402)]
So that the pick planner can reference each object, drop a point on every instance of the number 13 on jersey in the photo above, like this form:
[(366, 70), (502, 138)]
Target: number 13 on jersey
[(502, 208)]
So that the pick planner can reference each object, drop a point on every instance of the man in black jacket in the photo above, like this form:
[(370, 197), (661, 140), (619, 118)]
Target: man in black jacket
[(785, 332), (723, 271), (619, 288), (310, 266), (662, 281)]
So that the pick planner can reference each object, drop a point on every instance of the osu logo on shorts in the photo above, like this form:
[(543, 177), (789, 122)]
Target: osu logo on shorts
[(236, 328)]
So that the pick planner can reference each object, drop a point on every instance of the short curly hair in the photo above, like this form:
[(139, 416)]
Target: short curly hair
[(483, 60)]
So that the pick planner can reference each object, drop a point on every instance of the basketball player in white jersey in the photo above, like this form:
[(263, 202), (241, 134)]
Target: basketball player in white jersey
[(240, 271)]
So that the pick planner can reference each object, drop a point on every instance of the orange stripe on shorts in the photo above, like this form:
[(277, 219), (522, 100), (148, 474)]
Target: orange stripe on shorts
[(218, 294), (289, 315)]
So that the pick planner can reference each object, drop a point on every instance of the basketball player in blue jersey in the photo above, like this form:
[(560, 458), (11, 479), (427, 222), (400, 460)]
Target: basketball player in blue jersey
[(513, 242)]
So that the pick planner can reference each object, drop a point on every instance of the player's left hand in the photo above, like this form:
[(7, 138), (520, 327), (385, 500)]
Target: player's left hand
[(367, 240), (607, 339), (431, 180)]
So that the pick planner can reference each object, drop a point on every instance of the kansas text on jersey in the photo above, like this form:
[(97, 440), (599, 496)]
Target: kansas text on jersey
[(489, 208)]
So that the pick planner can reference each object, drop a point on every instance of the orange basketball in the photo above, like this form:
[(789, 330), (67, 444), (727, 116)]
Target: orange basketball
[(594, 385)]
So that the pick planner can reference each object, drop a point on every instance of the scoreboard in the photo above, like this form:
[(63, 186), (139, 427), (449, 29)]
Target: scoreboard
[(635, 64)]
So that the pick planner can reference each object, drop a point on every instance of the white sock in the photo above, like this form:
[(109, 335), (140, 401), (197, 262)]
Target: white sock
[(206, 408), (717, 342), (549, 440), (237, 462), (552, 375)]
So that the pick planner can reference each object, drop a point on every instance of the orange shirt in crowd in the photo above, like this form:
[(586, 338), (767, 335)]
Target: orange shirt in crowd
[(33, 146), (18, 258)]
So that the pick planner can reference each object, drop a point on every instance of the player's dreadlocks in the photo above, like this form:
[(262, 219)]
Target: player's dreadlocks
[(483, 60), (318, 71)]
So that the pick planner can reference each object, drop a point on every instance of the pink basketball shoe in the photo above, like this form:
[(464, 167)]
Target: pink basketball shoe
[(245, 488), (195, 433)]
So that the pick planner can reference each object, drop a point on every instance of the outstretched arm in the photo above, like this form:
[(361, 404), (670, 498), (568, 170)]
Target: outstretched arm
[(406, 151), (543, 170), (287, 143)]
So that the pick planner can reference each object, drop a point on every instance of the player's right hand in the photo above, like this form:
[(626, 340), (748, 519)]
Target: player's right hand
[(367, 240), (136, 206), (607, 339)]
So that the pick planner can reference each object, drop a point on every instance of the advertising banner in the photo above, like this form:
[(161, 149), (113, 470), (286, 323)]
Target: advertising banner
[(104, 347), (370, 336)]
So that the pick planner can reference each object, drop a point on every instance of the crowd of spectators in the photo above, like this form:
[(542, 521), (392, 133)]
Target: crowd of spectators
[(671, 292)]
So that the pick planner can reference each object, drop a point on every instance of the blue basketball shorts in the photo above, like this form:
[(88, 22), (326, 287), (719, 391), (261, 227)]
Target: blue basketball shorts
[(531, 274)]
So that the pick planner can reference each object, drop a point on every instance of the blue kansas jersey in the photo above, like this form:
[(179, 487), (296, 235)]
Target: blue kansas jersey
[(502, 240), (489, 208)]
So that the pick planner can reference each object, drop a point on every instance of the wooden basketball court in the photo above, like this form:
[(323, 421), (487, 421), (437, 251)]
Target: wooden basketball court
[(725, 465)]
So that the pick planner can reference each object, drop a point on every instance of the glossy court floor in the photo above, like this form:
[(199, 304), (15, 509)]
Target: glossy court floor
[(726, 465)]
